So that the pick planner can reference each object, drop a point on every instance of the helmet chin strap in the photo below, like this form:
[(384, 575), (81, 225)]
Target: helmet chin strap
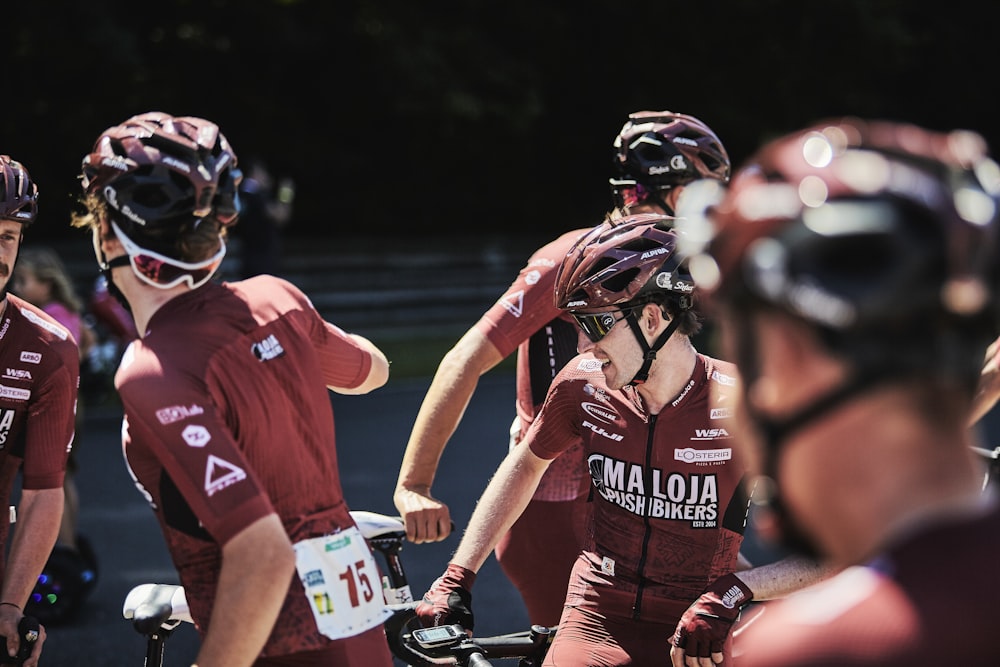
[(106, 266), (776, 432), (649, 351)]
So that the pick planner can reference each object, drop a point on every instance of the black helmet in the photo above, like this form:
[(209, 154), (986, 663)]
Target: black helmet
[(18, 193), (162, 176), (879, 236), (660, 150), (156, 170), (878, 233)]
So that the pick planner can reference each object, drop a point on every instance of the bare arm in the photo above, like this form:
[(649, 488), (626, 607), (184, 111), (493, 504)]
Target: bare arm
[(456, 379), (39, 514), (499, 507), (988, 390), (257, 566), (783, 577), (378, 375)]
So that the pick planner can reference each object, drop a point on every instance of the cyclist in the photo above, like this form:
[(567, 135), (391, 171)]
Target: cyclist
[(653, 416), (37, 414), (858, 264), (228, 429), (655, 154)]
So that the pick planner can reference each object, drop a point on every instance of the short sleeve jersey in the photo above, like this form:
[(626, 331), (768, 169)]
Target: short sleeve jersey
[(228, 419), (40, 363), (929, 600), (668, 489), (526, 319)]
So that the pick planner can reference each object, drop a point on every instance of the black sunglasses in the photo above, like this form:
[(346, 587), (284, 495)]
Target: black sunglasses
[(597, 325)]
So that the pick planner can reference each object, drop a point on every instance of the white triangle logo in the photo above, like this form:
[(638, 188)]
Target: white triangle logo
[(220, 473), (514, 302)]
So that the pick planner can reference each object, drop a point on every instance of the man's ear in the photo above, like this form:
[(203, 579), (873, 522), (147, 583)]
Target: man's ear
[(652, 317)]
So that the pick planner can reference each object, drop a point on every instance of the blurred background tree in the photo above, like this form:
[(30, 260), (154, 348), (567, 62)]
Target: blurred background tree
[(420, 117)]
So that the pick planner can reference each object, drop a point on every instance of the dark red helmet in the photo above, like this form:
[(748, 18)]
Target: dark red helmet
[(859, 226), (622, 262), (660, 150), (18, 193), (157, 169)]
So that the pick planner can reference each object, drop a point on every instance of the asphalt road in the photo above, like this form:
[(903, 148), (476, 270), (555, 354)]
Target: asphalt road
[(371, 436)]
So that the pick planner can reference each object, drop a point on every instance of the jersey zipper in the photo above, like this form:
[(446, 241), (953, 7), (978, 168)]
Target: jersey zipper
[(641, 567)]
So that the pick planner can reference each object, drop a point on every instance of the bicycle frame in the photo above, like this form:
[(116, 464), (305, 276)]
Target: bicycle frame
[(156, 610)]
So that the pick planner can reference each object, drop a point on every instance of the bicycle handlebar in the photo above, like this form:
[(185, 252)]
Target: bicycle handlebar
[(530, 645)]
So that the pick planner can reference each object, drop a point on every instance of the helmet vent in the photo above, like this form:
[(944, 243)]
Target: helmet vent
[(641, 244), (620, 281)]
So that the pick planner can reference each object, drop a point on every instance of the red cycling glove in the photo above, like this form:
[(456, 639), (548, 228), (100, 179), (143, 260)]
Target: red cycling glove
[(705, 625), (449, 599)]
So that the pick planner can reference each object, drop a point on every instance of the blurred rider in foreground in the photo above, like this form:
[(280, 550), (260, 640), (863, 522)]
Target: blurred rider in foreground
[(853, 266)]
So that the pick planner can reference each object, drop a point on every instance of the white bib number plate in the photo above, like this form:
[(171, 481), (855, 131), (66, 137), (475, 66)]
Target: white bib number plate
[(341, 580)]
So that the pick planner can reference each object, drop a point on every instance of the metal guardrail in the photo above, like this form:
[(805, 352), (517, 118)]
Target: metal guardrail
[(383, 288)]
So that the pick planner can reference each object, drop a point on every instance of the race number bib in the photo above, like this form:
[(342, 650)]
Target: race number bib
[(340, 577)]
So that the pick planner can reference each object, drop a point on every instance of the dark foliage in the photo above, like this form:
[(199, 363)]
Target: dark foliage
[(476, 114)]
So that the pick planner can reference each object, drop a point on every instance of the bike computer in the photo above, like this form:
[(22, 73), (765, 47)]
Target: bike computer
[(439, 636)]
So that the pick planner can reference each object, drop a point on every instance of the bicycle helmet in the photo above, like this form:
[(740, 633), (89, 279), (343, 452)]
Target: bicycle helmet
[(660, 150), (161, 176), (157, 169), (857, 225), (620, 263), (18, 193), (880, 236), (627, 263)]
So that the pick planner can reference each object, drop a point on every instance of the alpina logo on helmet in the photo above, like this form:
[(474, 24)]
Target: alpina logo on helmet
[(576, 303), (685, 141), (177, 164), (115, 162), (654, 253)]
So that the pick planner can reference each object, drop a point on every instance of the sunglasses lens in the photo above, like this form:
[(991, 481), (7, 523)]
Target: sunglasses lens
[(596, 326), (165, 273)]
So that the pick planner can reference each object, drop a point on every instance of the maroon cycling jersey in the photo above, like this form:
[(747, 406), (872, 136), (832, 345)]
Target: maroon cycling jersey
[(930, 600), (669, 502), (526, 319), (40, 363), (227, 420)]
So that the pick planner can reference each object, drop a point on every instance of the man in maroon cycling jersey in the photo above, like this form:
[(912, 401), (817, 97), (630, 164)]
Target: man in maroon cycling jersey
[(855, 269), (655, 154), (228, 430), (654, 418), (38, 394)]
